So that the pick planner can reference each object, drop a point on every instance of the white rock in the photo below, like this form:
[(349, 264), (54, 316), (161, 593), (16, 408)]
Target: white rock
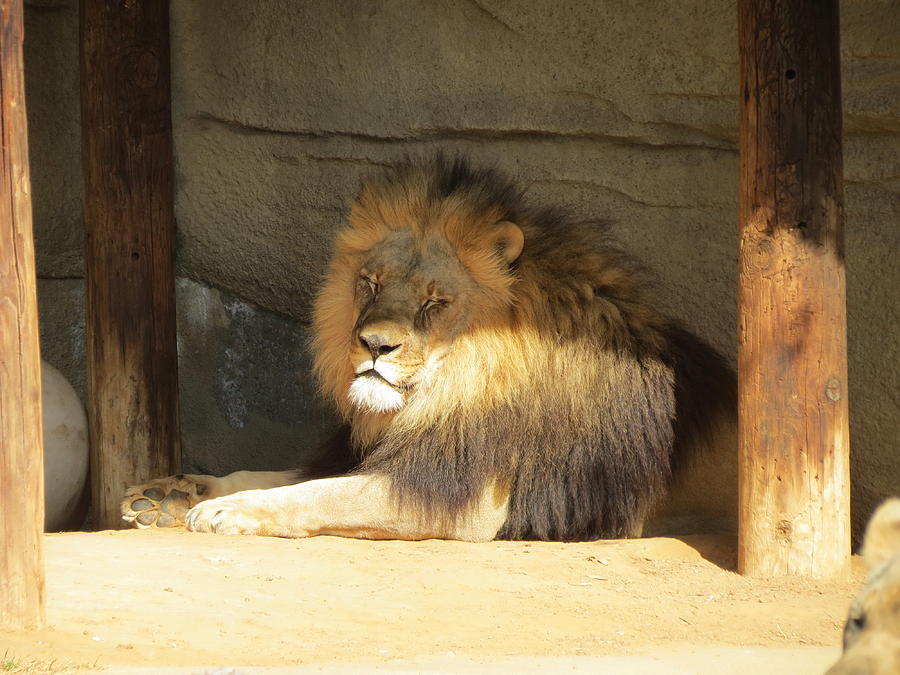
[(65, 448)]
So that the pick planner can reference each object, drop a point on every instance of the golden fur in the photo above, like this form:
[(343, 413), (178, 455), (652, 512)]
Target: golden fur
[(872, 632)]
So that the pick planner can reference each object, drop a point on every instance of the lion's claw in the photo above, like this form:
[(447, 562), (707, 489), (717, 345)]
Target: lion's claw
[(225, 515)]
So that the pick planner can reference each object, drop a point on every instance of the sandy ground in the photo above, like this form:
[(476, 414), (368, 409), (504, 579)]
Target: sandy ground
[(139, 601)]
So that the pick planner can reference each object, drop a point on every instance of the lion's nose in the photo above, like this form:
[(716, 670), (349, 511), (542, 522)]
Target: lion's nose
[(377, 344)]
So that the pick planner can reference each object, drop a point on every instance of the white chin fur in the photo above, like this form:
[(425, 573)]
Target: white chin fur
[(369, 393)]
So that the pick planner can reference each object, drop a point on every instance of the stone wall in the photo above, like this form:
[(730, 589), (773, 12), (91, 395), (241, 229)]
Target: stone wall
[(620, 111)]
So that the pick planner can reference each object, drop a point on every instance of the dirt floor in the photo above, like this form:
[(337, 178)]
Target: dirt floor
[(139, 601)]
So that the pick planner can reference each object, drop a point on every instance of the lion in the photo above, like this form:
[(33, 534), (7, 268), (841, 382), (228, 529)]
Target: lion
[(502, 372), (872, 631)]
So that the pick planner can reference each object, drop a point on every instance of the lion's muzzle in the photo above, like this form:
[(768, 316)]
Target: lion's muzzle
[(371, 391)]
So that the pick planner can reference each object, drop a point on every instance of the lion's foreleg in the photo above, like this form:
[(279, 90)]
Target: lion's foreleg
[(253, 480), (361, 506), (163, 502)]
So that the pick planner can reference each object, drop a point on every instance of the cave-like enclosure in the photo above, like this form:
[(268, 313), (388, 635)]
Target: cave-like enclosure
[(794, 417)]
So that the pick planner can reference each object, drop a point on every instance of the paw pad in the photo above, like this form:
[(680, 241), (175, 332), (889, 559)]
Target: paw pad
[(158, 506), (155, 493)]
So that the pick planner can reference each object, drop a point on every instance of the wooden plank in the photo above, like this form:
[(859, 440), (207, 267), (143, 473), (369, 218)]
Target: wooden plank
[(21, 438), (129, 257), (792, 364)]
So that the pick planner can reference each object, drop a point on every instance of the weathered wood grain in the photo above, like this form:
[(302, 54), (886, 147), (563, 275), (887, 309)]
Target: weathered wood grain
[(21, 439), (794, 439), (129, 256)]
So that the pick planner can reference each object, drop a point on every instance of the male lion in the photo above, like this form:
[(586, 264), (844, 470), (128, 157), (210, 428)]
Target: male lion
[(502, 374), (872, 631)]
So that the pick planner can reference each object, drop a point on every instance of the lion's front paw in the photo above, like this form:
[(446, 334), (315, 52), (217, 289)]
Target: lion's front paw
[(225, 515), (163, 502)]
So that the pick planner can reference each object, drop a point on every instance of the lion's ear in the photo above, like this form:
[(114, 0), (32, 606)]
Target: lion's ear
[(508, 240)]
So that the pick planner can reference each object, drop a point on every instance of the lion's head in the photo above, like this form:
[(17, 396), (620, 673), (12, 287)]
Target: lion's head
[(410, 276)]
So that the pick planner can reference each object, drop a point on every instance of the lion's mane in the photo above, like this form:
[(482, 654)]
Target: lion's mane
[(572, 391)]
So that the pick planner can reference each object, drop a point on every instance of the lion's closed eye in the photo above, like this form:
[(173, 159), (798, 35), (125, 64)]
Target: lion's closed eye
[(370, 284)]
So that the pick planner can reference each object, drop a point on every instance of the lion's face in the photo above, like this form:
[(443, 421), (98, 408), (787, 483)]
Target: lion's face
[(426, 264), (413, 299)]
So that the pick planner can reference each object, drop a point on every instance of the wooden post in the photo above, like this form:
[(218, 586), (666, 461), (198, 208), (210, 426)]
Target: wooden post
[(792, 363), (21, 437), (129, 259)]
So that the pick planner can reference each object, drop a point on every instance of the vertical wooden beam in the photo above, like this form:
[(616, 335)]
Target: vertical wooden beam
[(129, 259), (21, 438), (792, 363)]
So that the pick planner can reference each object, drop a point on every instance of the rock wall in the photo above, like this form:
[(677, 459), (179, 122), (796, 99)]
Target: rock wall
[(619, 111)]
